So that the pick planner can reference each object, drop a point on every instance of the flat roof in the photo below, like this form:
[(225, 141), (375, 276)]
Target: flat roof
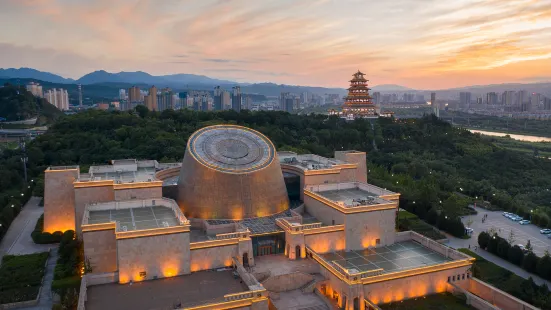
[(308, 161), (351, 197), (126, 171), (258, 225), (139, 218), (399, 256), (184, 291)]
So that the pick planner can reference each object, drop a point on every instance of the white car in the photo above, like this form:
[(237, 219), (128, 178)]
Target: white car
[(516, 218), (524, 222), (506, 214), (545, 231)]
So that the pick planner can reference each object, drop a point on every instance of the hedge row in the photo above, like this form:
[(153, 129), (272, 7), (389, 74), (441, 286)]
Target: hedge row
[(21, 277), (67, 272), (540, 266), (40, 237), (410, 221)]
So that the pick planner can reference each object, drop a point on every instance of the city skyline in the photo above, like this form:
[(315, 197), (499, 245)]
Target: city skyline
[(418, 44)]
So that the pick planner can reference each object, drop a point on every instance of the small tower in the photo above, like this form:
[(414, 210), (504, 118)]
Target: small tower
[(358, 103)]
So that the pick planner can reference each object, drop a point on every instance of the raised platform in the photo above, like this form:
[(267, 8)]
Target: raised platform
[(141, 218), (396, 257)]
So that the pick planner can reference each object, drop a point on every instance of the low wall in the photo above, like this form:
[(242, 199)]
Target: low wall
[(472, 299), (496, 296)]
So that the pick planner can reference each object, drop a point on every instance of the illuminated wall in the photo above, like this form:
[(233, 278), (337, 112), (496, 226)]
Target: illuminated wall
[(363, 229), (86, 195), (326, 242), (215, 257), (158, 256), (411, 287), (323, 212), (59, 200), (100, 249), (359, 158)]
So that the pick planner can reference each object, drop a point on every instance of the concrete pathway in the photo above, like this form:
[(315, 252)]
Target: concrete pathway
[(18, 237), (45, 302)]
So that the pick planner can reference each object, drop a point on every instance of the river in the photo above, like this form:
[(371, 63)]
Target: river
[(513, 136)]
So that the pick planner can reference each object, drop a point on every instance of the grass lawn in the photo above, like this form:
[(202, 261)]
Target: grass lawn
[(445, 301), (21, 277)]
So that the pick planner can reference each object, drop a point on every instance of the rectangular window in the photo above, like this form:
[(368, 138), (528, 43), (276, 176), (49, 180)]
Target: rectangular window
[(449, 278), (377, 241), (463, 277), (453, 278)]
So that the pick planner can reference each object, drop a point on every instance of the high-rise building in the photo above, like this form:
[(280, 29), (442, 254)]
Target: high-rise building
[(248, 103), (218, 99), (464, 100), (432, 99), (35, 89), (134, 94), (151, 102), (547, 103), (377, 97), (479, 101), (165, 99), (282, 98), (226, 100), (289, 104), (122, 94), (523, 97), (236, 99), (508, 98), (79, 87), (535, 101), (59, 98), (204, 102), (491, 98)]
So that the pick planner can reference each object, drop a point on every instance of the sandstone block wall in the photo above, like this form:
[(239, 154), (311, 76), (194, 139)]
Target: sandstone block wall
[(363, 229), (59, 200), (100, 249), (139, 193), (215, 257), (86, 195), (158, 256)]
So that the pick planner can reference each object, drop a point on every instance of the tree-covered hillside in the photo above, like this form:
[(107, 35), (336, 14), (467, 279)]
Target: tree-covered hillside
[(16, 103), (427, 160)]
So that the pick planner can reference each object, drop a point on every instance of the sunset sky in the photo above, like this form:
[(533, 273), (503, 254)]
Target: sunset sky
[(423, 44)]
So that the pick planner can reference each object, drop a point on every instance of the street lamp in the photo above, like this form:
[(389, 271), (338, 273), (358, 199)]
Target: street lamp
[(531, 211)]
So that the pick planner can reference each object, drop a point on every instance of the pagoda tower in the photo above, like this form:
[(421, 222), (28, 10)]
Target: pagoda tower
[(358, 103)]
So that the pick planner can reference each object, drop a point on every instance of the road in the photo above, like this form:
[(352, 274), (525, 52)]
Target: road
[(495, 219)]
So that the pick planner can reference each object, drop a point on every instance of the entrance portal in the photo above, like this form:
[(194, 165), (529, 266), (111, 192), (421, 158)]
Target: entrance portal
[(245, 259), (297, 252)]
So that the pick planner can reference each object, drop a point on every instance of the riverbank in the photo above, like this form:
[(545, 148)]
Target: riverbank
[(519, 137)]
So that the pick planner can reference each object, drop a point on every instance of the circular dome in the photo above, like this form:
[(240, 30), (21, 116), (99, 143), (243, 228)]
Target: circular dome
[(231, 149), (230, 172)]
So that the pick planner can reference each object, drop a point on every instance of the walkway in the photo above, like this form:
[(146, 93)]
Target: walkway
[(45, 302), (18, 237)]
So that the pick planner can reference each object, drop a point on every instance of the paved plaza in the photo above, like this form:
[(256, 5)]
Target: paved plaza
[(504, 226)]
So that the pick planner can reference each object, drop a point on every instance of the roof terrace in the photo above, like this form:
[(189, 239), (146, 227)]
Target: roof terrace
[(351, 195), (309, 161), (126, 171), (411, 253), (134, 215)]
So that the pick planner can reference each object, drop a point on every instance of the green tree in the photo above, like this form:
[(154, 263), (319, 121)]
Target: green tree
[(503, 248), (543, 267), (529, 262), (515, 255), (483, 239)]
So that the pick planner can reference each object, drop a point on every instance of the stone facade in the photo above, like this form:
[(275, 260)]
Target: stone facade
[(139, 193), (326, 242), (369, 229), (151, 257), (101, 250), (87, 195)]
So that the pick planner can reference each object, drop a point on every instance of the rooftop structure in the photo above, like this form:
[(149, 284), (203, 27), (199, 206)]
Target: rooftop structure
[(231, 172), (309, 161), (126, 171)]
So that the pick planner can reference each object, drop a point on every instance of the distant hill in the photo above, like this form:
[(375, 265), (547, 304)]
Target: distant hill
[(33, 74), (390, 87), (16, 103)]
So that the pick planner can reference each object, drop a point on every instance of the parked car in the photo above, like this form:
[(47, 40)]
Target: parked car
[(522, 247), (549, 236), (545, 231), (516, 218), (506, 214), (469, 231), (524, 222)]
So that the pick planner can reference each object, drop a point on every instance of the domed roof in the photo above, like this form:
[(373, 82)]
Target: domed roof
[(231, 149)]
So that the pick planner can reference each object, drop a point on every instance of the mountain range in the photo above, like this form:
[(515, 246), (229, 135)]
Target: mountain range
[(181, 82)]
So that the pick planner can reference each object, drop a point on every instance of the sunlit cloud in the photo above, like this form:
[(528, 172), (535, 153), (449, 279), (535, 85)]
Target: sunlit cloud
[(417, 43)]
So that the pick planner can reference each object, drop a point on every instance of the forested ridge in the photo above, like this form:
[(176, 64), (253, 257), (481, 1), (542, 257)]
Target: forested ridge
[(16, 103)]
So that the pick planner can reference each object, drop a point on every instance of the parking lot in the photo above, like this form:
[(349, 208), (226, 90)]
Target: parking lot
[(504, 226)]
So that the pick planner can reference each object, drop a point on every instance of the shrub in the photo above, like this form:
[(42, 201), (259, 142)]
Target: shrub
[(21, 277), (530, 262), (492, 244), (483, 239), (543, 266), (503, 248), (432, 216), (40, 237)]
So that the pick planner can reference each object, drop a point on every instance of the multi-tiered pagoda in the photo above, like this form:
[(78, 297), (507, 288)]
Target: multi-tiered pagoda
[(358, 103)]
